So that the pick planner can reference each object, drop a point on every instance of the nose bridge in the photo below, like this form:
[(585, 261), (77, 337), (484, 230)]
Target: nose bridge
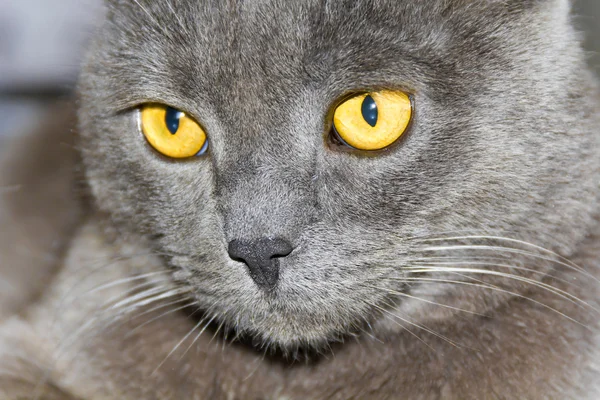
[(264, 195), (264, 173)]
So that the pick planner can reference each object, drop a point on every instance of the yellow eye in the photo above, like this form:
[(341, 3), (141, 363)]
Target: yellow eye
[(172, 133), (373, 121)]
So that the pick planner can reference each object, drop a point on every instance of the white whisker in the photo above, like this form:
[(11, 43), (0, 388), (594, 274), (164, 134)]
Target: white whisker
[(561, 293), (125, 280), (511, 240), (397, 293), (198, 335), (161, 295), (135, 297), (491, 287), (409, 331), (482, 264), (511, 250), (166, 305), (187, 305), (177, 346), (417, 326)]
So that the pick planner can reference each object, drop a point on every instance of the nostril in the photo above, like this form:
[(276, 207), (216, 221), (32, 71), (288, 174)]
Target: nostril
[(277, 247), (237, 250), (260, 255), (263, 248)]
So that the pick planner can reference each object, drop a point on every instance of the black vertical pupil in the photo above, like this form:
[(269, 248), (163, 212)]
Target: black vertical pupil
[(369, 111), (172, 119)]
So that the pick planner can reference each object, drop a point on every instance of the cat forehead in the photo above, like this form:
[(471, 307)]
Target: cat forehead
[(189, 46), (314, 26), (280, 19), (238, 7)]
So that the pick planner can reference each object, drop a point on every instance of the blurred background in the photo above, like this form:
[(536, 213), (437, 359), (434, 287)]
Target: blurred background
[(41, 44)]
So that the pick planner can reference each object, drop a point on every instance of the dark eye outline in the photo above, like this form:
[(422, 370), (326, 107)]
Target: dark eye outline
[(335, 142)]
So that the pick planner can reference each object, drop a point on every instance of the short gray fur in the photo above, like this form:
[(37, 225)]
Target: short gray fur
[(503, 152)]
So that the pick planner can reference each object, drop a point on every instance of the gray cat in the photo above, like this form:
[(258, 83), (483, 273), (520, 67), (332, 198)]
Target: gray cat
[(313, 200)]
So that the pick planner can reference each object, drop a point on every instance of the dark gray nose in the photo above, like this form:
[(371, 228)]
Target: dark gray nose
[(262, 258)]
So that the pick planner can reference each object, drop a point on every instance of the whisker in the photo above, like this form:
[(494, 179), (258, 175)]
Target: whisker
[(507, 266), (153, 285), (72, 337), (146, 293), (417, 325), (217, 331), (510, 240), (490, 287), (511, 250), (161, 294), (102, 267), (83, 279), (397, 293), (472, 279), (100, 311), (561, 293), (457, 258), (257, 364), (176, 347), (166, 305), (183, 340), (199, 334), (370, 334), (125, 280), (137, 328), (84, 329), (411, 332)]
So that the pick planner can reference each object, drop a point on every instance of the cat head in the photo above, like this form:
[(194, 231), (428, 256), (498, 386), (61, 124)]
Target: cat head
[(284, 232)]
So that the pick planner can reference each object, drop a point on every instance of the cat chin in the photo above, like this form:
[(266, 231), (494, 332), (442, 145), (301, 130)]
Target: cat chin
[(265, 329), (287, 338), (293, 343)]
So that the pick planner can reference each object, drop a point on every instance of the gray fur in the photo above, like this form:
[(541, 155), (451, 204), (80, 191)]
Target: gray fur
[(504, 143)]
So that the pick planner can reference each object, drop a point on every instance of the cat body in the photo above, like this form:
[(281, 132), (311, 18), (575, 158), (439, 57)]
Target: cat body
[(460, 263)]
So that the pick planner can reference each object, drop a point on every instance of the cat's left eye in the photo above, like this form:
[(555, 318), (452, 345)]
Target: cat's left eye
[(173, 133), (373, 121)]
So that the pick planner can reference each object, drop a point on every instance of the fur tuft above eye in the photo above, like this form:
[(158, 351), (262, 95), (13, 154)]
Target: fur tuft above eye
[(373, 121), (172, 133)]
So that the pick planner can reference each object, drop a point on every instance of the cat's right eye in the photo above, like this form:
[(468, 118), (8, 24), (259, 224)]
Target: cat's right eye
[(172, 133)]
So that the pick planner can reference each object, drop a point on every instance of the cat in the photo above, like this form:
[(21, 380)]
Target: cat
[(288, 247)]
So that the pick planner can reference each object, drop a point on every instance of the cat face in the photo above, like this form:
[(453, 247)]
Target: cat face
[(496, 127)]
